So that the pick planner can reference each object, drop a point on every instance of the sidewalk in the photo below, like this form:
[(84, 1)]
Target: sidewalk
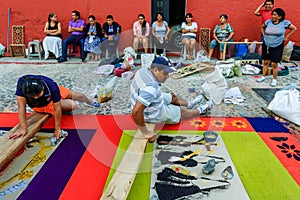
[(79, 76)]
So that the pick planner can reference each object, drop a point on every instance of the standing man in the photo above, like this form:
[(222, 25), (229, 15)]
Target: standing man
[(42, 94), (150, 104), (76, 28), (111, 31), (266, 12)]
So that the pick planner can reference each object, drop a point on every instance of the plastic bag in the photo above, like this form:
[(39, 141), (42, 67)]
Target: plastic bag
[(286, 104), (234, 96), (104, 69), (287, 51), (129, 55), (240, 50), (226, 69), (2, 48), (105, 93), (252, 47), (202, 56), (146, 59), (215, 86), (237, 70), (250, 69)]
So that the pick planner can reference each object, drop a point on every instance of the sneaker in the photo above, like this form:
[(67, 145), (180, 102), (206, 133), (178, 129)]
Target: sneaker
[(273, 83), (204, 108), (195, 101), (261, 79)]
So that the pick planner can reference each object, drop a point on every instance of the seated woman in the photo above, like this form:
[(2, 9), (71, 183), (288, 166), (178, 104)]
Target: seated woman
[(189, 33), (160, 32), (53, 40), (93, 34), (223, 32), (141, 30)]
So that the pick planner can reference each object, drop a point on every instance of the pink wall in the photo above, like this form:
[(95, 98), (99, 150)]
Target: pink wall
[(33, 14)]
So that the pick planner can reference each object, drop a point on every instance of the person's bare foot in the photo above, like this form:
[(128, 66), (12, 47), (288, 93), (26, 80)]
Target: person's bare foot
[(152, 139), (150, 136), (189, 57)]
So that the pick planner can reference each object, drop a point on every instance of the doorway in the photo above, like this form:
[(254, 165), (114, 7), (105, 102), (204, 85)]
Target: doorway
[(174, 12)]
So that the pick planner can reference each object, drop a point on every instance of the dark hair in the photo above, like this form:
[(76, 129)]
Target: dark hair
[(77, 13), (92, 16), (31, 86), (188, 15), (160, 13), (272, 1), (109, 17), (224, 15), (50, 16), (143, 24), (280, 12)]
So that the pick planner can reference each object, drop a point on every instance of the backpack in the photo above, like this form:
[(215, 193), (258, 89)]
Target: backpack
[(296, 53)]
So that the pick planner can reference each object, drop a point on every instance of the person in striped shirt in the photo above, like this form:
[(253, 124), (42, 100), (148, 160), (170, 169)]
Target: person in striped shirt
[(150, 104)]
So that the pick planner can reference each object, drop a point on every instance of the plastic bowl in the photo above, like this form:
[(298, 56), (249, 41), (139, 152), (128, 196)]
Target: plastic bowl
[(210, 136)]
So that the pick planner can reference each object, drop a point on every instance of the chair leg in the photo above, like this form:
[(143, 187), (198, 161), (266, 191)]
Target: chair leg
[(194, 52), (184, 52)]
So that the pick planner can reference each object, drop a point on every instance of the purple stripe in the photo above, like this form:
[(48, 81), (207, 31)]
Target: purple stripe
[(56, 172)]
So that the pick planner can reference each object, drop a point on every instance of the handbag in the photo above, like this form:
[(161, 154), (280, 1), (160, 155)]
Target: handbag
[(241, 49)]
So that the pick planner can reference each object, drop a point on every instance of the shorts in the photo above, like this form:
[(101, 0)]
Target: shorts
[(188, 37), (170, 113), (64, 92), (274, 54)]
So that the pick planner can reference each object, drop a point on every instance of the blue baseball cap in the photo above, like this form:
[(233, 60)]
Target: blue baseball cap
[(163, 63)]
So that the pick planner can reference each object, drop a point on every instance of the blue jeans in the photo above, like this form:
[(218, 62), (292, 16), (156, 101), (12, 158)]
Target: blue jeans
[(73, 39), (214, 43), (111, 48)]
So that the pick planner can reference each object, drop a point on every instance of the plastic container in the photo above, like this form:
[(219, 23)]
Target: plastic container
[(210, 136)]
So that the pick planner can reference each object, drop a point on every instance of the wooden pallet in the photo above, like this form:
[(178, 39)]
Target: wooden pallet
[(10, 147), (122, 180), (191, 69)]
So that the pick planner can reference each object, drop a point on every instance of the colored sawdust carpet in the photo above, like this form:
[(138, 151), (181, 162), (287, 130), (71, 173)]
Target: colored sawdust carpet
[(19, 172), (102, 140), (262, 174), (267, 94), (188, 166)]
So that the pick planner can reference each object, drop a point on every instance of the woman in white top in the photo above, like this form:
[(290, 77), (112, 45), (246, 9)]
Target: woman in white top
[(189, 33), (141, 30), (160, 32), (53, 40)]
